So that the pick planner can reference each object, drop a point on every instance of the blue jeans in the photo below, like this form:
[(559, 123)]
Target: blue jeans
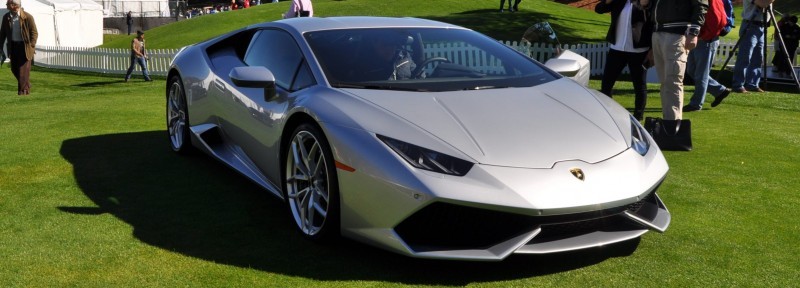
[(747, 71), (142, 63), (699, 67)]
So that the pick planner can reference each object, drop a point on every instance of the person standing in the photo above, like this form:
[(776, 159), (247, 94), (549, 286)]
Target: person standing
[(790, 33), (129, 21), (677, 25), (629, 38), (19, 31), (699, 65), (510, 8), (138, 56), (747, 70), (300, 8)]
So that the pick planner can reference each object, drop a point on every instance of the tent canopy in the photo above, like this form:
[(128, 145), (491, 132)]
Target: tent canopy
[(73, 23)]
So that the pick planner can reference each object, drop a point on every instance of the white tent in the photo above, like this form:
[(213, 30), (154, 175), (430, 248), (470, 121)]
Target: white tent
[(138, 8), (73, 23), (78, 23)]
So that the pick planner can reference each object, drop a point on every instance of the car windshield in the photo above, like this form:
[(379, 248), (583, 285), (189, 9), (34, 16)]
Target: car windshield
[(421, 59)]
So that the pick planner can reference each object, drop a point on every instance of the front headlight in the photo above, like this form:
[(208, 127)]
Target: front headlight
[(639, 140), (427, 159)]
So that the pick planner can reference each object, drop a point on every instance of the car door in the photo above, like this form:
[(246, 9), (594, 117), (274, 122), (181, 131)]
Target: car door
[(256, 119)]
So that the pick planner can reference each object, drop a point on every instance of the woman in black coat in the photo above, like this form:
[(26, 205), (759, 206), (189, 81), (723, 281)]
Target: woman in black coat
[(629, 38)]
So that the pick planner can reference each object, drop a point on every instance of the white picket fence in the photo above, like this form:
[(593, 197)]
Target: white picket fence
[(101, 60), (116, 61)]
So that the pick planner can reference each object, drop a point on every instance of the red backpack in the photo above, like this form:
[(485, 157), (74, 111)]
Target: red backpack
[(716, 19)]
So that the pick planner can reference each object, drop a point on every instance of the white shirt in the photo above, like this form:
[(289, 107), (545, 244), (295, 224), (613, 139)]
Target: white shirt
[(624, 39), (297, 5)]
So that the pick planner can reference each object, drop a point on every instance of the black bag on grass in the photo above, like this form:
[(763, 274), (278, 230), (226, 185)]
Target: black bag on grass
[(670, 135)]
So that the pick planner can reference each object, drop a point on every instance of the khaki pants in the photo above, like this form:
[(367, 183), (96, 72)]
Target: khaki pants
[(670, 63)]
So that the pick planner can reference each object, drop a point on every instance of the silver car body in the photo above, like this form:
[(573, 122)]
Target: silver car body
[(553, 168)]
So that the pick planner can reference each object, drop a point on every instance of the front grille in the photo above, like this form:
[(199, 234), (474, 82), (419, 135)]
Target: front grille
[(458, 227), (609, 223), (444, 226)]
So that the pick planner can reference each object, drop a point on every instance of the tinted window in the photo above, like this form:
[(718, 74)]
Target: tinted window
[(304, 78), (277, 51), (424, 59)]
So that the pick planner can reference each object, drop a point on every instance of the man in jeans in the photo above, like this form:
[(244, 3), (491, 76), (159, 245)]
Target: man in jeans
[(138, 56), (678, 23), (747, 70), (699, 67)]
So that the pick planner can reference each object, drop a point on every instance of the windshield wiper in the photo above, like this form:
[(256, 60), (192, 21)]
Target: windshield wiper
[(483, 87), (376, 87)]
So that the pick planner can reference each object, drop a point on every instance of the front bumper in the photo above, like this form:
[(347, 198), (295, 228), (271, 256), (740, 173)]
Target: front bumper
[(456, 232)]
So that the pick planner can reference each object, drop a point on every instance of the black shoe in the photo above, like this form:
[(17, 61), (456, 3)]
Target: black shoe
[(148, 80), (718, 99), (690, 108)]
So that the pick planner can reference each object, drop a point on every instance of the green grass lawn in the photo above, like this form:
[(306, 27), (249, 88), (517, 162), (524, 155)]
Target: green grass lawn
[(92, 196), (572, 25)]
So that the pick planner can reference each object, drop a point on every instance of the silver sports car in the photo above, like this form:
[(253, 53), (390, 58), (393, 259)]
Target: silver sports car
[(416, 136)]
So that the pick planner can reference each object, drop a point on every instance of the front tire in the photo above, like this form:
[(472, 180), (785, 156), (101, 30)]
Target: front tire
[(311, 185), (178, 117)]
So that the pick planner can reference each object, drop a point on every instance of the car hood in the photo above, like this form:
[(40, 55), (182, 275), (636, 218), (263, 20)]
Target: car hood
[(530, 127)]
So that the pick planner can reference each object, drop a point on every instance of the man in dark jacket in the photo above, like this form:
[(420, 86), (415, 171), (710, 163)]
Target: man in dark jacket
[(19, 29), (677, 24), (129, 21)]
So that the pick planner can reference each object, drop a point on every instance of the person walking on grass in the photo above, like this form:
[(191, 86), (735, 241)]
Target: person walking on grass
[(698, 66), (19, 31), (138, 56)]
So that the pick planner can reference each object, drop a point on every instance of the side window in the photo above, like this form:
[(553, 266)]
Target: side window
[(304, 77), (277, 51)]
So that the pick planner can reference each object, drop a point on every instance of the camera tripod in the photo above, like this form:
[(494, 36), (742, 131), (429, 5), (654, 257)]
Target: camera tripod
[(767, 12)]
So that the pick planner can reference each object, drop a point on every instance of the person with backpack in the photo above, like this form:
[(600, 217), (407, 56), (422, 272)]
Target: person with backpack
[(719, 21)]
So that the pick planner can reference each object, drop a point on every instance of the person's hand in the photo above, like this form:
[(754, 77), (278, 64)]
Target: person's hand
[(691, 42)]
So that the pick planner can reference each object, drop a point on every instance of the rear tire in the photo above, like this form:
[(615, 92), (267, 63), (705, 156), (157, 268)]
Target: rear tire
[(178, 117), (311, 184)]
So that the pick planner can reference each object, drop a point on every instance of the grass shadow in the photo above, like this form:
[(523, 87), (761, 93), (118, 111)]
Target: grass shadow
[(195, 206)]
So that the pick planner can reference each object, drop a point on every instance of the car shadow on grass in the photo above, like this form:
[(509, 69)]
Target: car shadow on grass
[(195, 206)]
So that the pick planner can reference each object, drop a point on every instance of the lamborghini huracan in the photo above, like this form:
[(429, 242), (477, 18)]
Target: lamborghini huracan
[(419, 137)]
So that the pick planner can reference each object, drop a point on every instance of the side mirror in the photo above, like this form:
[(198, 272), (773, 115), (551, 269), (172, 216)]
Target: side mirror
[(254, 77), (566, 67), (572, 65)]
